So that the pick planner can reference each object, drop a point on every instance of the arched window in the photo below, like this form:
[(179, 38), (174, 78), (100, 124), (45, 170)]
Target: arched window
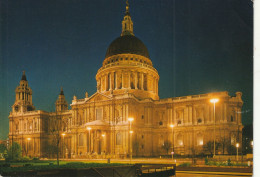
[(180, 140), (231, 118), (179, 122), (118, 139), (160, 123), (199, 120), (81, 139), (199, 139)]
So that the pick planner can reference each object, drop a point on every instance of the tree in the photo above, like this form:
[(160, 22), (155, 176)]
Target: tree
[(14, 152), (166, 146), (209, 147), (136, 147), (231, 149), (55, 130), (223, 144), (3, 150)]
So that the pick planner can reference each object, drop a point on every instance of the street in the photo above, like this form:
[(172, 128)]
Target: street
[(215, 174)]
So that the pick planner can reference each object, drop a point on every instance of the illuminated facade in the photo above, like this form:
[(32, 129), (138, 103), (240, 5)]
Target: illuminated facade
[(127, 86)]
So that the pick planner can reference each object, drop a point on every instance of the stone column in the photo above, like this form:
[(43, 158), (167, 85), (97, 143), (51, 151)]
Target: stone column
[(115, 78), (110, 82), (135, 75), (190, 114), (101, 84), (129, 79), (85, 115), (142, 81), (123, 84)]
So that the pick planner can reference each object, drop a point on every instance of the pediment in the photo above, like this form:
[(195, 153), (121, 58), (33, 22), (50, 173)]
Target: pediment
[(98, 97)]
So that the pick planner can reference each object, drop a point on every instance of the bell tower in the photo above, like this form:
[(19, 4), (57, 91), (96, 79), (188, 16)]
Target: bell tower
[(23, 96), (61, 103)]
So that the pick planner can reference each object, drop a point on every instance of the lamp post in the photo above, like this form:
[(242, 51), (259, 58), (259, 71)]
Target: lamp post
[(172, 126), (130, 119), (214, 101), (89, 129), (28, 140), (63, 143), (237, 145)]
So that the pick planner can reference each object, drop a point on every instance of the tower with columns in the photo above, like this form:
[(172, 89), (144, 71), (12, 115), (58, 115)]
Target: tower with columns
[(23, 96), (61, 103)]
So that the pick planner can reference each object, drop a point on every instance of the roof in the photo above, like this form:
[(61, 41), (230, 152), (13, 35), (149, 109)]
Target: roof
[(127, 44)]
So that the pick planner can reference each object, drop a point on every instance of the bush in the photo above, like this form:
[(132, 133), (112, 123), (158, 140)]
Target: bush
[(206, 161), (186, 164), (25, 159), (229, 162), (35, 158), (14, 152)]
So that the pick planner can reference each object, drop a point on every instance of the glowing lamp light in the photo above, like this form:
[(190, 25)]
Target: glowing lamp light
[(214, 100), (237, 145), (63, 134), (103, 135), (28, 139), (201, 142), (130, 119), (89, 128), (131, 131), (252, 143), (171, 125)]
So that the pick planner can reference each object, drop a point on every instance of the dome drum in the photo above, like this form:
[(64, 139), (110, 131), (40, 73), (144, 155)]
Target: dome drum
[(142, 82)]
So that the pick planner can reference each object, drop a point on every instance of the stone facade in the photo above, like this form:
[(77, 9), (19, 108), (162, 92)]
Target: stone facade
[(127, 86)]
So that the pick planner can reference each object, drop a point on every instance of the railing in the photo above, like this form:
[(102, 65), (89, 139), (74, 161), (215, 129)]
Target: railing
[(156, 169), (128, 64)]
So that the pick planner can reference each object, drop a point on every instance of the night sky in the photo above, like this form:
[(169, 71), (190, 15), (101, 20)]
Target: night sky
[(197, 47)]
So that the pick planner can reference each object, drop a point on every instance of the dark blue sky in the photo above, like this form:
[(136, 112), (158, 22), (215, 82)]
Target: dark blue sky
[(197, 47)]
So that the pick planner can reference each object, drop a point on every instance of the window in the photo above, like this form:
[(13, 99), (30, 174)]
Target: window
[(99, 114), (199, 120), (160, 123), (16, 108), (142, 116), (180, 140), (142, 136), (179, 122), (199, 139), (142, 146), (81, 139), (118, 139), (232, 119)]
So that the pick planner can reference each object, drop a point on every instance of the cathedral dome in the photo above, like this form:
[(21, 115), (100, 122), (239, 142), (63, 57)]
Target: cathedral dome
[(127, 44)]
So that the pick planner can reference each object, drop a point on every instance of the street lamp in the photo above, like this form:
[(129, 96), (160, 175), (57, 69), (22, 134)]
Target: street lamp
[(28, 140), (89, 129), (237, 145), (63, 134), (130, 119), (214, 101), (172, 126), (252, 144)]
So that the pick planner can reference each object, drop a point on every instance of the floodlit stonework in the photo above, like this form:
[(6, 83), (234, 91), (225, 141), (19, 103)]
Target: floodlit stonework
[(127, 86)]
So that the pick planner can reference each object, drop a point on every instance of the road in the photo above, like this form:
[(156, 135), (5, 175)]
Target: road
[(215, 174)]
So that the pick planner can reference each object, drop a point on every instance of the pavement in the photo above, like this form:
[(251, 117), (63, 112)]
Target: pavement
[(211, 174)]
